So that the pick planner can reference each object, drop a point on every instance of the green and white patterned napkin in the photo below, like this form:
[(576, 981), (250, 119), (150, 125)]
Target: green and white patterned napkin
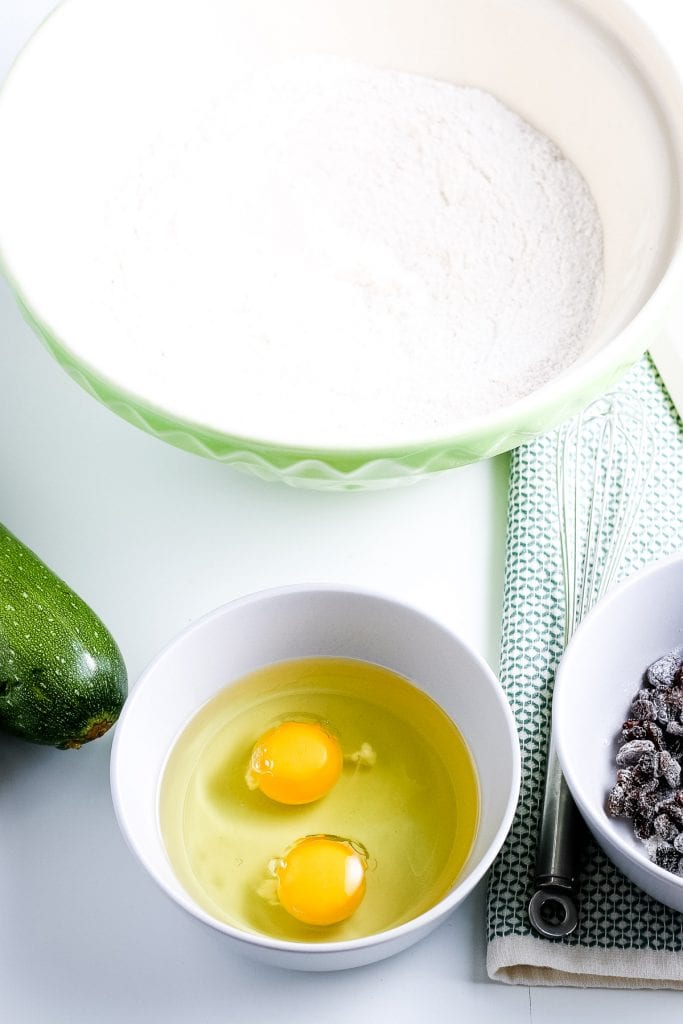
[(624, 938)]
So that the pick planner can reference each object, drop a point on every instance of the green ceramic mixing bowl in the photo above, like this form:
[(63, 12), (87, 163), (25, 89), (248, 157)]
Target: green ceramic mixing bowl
[(585, 72)]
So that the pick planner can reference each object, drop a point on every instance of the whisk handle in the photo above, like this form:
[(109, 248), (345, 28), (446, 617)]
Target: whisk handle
[(552, 908)]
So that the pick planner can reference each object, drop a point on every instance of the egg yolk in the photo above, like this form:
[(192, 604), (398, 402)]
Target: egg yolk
[(321, 880), (295, 763)]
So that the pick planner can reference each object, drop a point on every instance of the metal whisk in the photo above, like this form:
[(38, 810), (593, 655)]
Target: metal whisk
[(604, 462)]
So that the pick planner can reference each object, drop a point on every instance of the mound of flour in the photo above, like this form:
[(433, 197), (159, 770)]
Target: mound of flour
[(350, 253)]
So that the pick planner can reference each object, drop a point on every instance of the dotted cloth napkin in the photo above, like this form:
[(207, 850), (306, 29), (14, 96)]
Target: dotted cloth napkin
[(624, 938)]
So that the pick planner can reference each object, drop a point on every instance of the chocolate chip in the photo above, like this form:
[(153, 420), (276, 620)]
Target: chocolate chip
[(648, 784), (631, 752), (664, 827), (664, 672), (646, 768), (644, 711), (615, 800), (643, 826), (668, 768)]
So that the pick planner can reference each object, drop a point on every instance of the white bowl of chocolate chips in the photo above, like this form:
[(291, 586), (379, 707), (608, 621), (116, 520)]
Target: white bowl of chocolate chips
[(618, 725)]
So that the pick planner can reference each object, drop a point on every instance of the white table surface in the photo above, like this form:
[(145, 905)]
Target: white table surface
[(152, 538)]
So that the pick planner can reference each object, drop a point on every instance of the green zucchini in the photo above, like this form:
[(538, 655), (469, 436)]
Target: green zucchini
[(62, 677)]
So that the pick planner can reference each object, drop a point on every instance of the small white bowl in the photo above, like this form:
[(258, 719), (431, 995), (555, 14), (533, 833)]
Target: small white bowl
[(600, 673), (296, 622)]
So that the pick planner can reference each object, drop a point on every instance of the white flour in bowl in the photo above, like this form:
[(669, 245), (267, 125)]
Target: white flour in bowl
[(345, 255)]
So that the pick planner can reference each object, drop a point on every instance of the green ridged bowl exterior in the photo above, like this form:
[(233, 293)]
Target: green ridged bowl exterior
[(368, 469)]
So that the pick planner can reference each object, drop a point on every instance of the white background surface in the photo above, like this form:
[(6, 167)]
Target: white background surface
[(152, 538)]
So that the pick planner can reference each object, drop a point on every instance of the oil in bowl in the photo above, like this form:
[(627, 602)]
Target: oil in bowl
[(372, 831)]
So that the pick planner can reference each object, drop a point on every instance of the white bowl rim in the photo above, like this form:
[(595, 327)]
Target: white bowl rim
[(422, 921), (599, 823)]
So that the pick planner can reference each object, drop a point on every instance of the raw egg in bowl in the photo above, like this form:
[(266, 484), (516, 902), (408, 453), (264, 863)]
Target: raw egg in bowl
[(321, 774)]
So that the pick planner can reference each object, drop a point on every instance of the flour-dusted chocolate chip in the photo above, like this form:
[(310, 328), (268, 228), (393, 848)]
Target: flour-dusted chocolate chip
[(668, 768), (615, 800), (644, 711), (630, 803), (648, 798), (648, 787), (631, 752), (664, 672), (664, 827), (673, 805), (635, 730), (662, 853), (643, 826), (654, 732), (674, 702), (667, 802), (661, 708), (646, 769)]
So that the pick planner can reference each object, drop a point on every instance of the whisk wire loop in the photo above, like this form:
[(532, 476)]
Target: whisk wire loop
[(604, 461)]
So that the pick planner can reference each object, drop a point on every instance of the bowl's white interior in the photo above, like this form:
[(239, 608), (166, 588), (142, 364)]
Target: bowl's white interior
[(600, 674), (591, 81), (298, 623)]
